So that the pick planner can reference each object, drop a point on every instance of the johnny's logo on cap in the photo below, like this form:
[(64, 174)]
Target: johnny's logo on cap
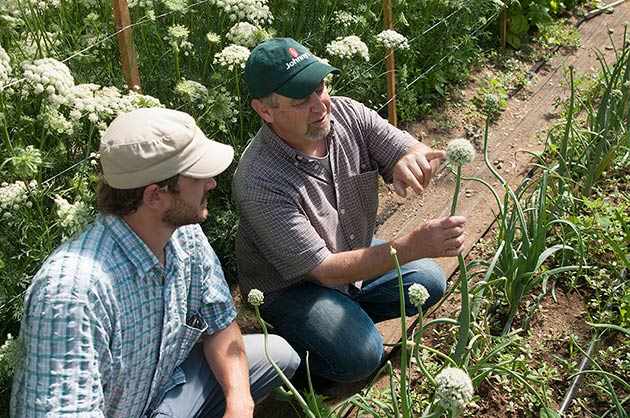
[(297, 59), (283, 66)]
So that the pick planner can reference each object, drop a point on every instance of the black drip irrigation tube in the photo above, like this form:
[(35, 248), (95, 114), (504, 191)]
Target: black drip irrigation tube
[(596, 336), (586, 360)]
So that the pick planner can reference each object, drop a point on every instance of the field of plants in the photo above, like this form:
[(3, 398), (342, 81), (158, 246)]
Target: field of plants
[(564, 230)]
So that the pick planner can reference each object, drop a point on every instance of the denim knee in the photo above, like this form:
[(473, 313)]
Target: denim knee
[(361, 360)]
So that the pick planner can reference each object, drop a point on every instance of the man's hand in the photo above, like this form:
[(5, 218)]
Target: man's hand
[(442, 237), (415, 169)]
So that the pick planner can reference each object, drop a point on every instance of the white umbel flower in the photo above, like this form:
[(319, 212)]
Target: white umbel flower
[(392, 39), (49, 75), (5, 68), (348, 47), (232, 56), (454, 389), (254, 11), (460, 151), (74, 217), (245, 34)]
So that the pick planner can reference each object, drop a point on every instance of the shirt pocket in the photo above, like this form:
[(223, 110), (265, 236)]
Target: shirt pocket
[(361, 194), (188, 337)]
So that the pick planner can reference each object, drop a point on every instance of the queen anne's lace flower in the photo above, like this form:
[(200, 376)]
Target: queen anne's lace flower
[(255, 297), (392, 39), (460, 151), (232, 56), (175, 5), (245, 34), (418, 294), (101, 104), (12, 355), (191, 90), (27, 160), (73, 217), (177, 36), (49, 75), (254, 11), (13, 195), (454, 389), (348, 47), (5, 68), (344, 19)]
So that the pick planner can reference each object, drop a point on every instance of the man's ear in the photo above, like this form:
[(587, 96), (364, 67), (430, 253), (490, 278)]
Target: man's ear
[(263, 110), (153, 196)]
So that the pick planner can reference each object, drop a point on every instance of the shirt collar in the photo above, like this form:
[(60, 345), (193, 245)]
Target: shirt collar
[(277, 143), (137, 252)]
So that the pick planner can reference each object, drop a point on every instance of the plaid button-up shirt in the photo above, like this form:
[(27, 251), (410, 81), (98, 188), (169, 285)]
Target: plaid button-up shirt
[(105, 324), (292, 216)]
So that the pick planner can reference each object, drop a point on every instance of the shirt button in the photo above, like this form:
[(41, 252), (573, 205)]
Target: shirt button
[(362, 165), (342, 211), (296, 164), (352, 236)]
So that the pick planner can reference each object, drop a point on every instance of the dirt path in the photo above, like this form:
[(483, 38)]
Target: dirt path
[(522, 126)]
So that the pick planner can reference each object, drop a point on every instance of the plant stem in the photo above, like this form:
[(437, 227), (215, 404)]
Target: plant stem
[(464, 315), (403, 352), (285, 380)]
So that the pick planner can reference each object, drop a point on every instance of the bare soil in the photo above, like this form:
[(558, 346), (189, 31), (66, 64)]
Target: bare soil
[(522, 126)]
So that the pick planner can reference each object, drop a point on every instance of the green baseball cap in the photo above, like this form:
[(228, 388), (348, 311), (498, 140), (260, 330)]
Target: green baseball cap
[(284, 66)]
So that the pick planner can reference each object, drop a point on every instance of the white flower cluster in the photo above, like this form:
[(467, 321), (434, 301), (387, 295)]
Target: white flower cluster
[(26, 160), (255, 297), (460, 151), (254, 11), (147, 4), (344, 19), (12, 355), (175, 5), (25, 7), (348, 47), (232, 56), (13, 195), (74, 217), (5, 68), (418, 294), (177, 35), (191, 90), (392, 39), (454, 389), (50, 76), (32, 46), (245, 34), (98, 103)]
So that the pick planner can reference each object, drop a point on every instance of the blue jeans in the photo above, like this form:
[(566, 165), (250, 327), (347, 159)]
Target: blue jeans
[(337, 329), (202, 397)]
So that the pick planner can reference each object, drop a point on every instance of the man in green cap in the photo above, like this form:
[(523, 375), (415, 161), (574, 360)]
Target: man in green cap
[(306, 189)]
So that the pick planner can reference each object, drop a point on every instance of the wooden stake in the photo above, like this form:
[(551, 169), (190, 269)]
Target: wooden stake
[(125, 43), (389, 66)]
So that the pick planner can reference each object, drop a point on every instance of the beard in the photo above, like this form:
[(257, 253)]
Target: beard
[(317, 134), (182, 213)]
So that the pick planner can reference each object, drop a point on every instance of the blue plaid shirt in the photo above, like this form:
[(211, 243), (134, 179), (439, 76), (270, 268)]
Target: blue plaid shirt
[(105, 324)]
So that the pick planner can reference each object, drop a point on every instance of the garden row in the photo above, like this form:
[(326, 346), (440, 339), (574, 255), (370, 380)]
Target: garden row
[(61, 83)]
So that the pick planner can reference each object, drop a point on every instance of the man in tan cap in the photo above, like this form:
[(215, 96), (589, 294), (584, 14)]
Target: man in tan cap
[(113, 317)]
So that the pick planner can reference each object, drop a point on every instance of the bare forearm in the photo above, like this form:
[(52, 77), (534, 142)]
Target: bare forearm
[(435, 238)]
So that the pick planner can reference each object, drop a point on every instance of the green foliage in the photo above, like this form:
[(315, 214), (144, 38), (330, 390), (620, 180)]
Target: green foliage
[(523, 15)]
